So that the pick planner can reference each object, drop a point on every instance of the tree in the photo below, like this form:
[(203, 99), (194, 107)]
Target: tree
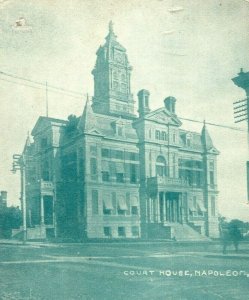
[(10, 218)]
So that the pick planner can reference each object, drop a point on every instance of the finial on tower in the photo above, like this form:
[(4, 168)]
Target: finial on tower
[(111, 26)]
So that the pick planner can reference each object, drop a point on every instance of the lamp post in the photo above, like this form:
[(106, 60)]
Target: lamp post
[(19, 164)]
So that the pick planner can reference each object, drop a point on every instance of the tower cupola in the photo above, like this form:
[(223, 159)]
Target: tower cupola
[(112, 72)]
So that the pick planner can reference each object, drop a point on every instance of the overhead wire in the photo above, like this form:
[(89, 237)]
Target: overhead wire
[(40, 88), (73, 94), (40, 83)]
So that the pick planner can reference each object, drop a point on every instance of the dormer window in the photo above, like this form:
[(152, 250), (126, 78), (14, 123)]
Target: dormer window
[(120, 130), (119, 127)]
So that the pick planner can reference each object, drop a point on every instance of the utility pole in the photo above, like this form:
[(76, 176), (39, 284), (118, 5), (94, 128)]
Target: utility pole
[(241, 111), (19, 164)]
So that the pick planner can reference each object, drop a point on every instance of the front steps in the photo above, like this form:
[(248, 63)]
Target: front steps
[(174, 231), (183, 232)]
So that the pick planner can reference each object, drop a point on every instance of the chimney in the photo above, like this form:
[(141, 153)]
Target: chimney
[(143, 102), (3, 198), (169, 103)]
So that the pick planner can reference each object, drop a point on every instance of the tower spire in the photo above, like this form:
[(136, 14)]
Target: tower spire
[(111, 27)]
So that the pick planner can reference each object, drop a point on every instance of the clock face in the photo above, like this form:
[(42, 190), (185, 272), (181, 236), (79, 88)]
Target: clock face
[(119, 57)]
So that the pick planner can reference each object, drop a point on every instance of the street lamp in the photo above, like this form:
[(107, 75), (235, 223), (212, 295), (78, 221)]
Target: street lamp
[(19, 164)]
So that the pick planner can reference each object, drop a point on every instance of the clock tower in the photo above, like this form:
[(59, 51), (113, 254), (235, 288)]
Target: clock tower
[(112, 71)]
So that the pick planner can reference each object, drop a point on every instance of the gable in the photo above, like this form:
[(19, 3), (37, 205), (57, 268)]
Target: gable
[(94, 132), (162, 116), (213, 151)]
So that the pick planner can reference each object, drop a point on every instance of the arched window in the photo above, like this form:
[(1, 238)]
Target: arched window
[(115, 75), (161, 168), (123, 77)]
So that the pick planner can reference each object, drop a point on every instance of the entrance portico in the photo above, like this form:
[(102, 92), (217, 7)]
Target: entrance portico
[(170, 204)]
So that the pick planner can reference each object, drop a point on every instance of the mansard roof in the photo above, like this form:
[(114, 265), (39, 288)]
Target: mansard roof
[(207, 141), (87, 120), (104, 125)]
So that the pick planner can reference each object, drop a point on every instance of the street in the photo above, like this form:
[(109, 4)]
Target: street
[(123, 271)]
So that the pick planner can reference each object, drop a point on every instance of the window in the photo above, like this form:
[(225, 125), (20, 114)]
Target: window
[(116, 85), (122, 205), (164, 136), (44, 143), (121, 212), (120, 130), (194, 202), (211, 177), (105, 152), (123, 87), (132, 156), (133, 173), (134, 210), (115, 75), (135, 231), (119, 154), (93, 150), (95, 202), (45, 171), (114, 202), (123, 77), (213, 206), (174, 137), (157, 135), (211, 165), (105, 176), (93, 167), (127, 198), (107, 231), (120, 177), (121, 231), (107, 211), (161, 166), (107, 205), (69, 166), (191, 171)]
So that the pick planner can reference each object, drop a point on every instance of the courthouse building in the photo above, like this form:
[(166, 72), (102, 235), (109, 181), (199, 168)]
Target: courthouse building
[(112, 173)]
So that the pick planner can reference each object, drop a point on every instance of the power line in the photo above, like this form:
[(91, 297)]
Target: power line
[(40, 88), (40, 83), (70, 93), (213, 124)]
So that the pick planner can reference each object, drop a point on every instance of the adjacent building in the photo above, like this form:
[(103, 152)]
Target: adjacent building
[(111, 173)]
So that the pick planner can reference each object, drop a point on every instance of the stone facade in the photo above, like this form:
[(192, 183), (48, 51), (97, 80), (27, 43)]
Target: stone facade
[(112, 174)]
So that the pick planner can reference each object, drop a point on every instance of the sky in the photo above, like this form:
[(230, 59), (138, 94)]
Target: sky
[(190, 53)]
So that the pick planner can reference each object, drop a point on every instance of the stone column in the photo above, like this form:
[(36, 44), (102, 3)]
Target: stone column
[(42, 210), (167, 210), (164, 207), (162, 199), (149, 210), (157, 209)]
